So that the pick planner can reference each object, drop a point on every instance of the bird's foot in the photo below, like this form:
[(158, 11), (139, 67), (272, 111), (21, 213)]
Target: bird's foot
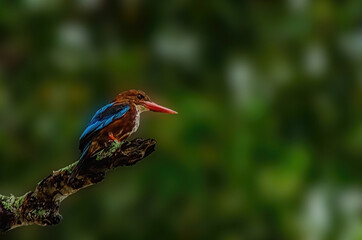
[(113, 138)]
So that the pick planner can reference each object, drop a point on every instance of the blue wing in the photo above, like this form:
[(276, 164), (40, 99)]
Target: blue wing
[(101, 119)]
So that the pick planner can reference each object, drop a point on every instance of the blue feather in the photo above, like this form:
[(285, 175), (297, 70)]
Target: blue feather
[(103, 117)]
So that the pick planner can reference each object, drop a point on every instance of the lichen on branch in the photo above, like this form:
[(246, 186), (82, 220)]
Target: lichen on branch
[(41, 206)]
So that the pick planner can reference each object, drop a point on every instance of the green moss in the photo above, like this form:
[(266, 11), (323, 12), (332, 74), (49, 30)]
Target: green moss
[(11, 202), (113, 148), (8, 201), (68, 168), (41, 212), (19, 201), (38, 212)]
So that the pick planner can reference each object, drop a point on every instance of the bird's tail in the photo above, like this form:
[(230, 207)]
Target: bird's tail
[(77, 169)]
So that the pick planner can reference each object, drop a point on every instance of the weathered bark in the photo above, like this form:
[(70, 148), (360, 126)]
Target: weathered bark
[(41, 206)]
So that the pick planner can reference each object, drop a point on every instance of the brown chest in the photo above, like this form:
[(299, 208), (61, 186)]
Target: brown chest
[(122, 127)]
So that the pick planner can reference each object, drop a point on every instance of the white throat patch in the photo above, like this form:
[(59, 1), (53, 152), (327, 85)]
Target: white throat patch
[(139, 110)]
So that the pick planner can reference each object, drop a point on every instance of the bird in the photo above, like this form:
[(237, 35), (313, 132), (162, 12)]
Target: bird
[(116, 121)]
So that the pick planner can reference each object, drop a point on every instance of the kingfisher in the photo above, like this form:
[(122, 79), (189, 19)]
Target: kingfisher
[(115, 121)]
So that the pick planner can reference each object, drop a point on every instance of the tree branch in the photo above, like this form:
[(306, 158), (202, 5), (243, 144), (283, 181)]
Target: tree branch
[(41, 206)]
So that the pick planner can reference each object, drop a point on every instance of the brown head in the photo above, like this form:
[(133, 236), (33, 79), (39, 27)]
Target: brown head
[(142, 101)]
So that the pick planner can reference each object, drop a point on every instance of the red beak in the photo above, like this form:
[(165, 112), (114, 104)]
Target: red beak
[(157, 108)]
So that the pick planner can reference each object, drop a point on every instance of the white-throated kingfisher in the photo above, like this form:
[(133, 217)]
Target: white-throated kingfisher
[(115, 121)]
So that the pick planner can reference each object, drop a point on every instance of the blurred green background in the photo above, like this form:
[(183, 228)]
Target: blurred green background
[(267, 143)]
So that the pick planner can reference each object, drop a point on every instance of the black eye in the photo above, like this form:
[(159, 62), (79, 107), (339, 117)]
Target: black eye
[(139, 96)]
